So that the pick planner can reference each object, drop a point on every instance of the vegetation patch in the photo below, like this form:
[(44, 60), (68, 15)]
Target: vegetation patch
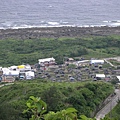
[(84, 97), (15, 52)]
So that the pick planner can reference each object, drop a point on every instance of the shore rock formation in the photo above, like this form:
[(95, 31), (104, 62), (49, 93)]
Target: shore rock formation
[(56, 32)]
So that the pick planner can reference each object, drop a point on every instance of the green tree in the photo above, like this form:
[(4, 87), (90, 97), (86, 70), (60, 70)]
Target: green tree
[(37, 107)]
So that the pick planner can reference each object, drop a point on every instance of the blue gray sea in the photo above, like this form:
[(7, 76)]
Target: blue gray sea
[(56, 13)]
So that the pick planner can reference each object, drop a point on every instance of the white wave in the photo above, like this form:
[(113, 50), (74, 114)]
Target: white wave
[(53, 23), (23, 26), (2, 28), (115, 24)]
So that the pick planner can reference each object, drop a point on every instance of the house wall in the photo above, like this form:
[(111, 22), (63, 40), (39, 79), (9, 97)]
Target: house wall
[(8, 79)]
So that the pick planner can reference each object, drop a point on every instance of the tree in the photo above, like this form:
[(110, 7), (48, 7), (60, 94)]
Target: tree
[(37, 107)]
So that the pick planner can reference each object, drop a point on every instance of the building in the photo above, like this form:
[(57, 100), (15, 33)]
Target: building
[(26, 67), (100, 76), (29, 75), (8, 78), (96, 61), (83, 62), (46, 62), (118, 77), (8, 72), (117, 72)]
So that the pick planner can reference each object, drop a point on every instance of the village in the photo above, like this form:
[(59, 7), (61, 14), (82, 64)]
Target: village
[(70, 71)]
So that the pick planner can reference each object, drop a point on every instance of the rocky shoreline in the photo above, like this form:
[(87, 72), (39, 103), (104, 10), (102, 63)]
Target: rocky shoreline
[(56, 32)]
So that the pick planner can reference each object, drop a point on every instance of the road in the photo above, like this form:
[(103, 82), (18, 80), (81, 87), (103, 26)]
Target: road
[(109, 63), (109, 106), (115, 58)]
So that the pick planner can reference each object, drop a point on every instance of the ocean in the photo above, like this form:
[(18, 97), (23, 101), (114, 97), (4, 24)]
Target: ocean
[(57, 13)]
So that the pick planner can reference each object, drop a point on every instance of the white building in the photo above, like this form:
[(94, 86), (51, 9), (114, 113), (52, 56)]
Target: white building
[(118, 77), (9, 71), (100, 76), (97, 62), (29, 75), (47, 61)]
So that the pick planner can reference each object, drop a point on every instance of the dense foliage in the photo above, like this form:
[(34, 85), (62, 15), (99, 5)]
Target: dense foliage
[(14, 52), (85, 97)]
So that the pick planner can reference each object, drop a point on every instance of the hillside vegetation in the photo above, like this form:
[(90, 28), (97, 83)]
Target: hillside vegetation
[(84, 97), (15, 52)]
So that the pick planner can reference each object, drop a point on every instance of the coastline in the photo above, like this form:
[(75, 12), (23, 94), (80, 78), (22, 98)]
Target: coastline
[(56, 32)]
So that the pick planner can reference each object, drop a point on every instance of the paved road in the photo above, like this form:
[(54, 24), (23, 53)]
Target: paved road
[(109, 106)]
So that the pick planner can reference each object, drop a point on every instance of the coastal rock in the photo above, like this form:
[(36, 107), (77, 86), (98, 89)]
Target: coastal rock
[(56, 32)]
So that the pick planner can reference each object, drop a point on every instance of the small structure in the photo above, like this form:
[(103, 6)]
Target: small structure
[(69, 61), (1, 72), (21, 67), (117, 72), (22, 76), (71, 78), (26, 67), (29, 75), (100, 76), (83, 62), (118, 77), (96, 61), (5, 71), (8, 72), (8, 78), (13, 68), (45, 63)]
